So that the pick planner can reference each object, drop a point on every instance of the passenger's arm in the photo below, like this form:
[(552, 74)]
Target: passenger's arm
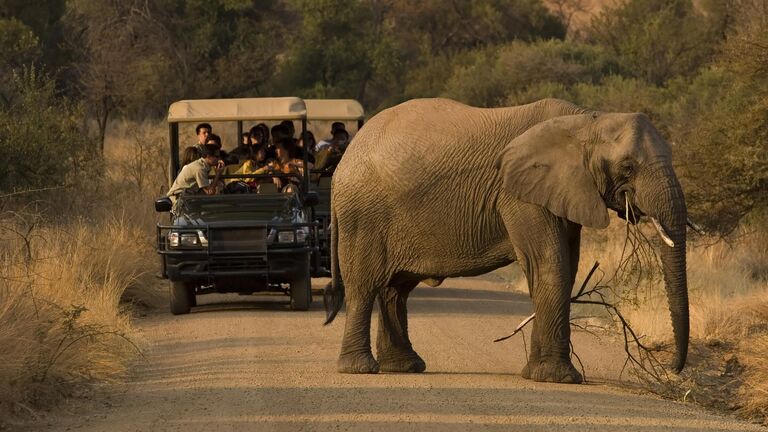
[(211, 188)]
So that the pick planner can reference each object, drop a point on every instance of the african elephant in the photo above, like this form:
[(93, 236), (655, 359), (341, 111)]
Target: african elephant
[(432, 188)]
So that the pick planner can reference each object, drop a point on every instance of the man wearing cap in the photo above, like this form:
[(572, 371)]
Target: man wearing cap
[(194, 177)]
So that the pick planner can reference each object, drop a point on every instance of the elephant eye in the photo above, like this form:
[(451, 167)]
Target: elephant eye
[(627, 170)]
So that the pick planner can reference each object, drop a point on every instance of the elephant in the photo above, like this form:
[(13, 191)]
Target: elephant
[(432, 188)]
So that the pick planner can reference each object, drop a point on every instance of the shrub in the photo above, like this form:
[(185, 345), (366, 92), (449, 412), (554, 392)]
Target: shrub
[(41, 136), (656, 40), (496, 76)]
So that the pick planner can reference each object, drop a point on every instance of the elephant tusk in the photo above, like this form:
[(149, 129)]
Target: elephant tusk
[(626, 209), (662, 233), (694, 226)]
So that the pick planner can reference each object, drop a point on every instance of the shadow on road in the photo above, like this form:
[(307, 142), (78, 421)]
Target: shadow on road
[(428, 300)]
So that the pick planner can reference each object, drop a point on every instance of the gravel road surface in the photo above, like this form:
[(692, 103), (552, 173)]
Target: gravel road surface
[(241, 363)]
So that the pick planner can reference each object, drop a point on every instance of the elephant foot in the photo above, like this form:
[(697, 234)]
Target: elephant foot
[(409, 362), (357, 363), (555, 371)]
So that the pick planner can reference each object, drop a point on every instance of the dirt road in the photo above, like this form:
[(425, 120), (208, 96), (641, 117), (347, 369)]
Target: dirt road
[(252, 366)]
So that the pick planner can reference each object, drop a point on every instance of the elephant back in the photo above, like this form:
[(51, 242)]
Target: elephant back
[(424, 141)]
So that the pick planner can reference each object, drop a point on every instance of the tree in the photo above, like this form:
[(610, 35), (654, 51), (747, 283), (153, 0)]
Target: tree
[(123, 60), (724, 144), (40, 135), (656, 40), (18, 47)]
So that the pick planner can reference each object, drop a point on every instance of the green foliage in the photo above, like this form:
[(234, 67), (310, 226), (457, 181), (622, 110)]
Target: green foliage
[(43, 19), (698, 69), (19, 46), (658, 39), (40, 137), (333, 56), (512, 73)]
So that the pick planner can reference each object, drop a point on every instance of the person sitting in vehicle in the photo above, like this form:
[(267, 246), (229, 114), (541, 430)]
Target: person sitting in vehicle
[(202, 131), (336, 127), (279, 133), (329, 156), (189, 155), (289, 161), (223, 155), (243, 151), (289, 128), (264, 132), (194, 177), (309, 148), (256, 163)]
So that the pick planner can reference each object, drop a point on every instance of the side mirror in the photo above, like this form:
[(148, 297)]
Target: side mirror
[(311, 199), (163, 204)]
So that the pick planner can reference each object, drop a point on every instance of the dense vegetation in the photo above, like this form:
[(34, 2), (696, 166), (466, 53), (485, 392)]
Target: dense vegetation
[(699, 70)]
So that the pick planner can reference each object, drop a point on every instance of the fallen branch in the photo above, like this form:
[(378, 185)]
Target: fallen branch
[(641, 357), (533, 315), (518, 328)]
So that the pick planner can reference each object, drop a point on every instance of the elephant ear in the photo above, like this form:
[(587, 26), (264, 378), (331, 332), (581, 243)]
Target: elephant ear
[(546, 166)]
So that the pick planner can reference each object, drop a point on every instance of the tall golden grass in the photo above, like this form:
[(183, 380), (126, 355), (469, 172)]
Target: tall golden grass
[(71, 270), (728, 295)]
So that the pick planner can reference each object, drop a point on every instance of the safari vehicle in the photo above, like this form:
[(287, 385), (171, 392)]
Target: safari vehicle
[(257, 240), (327, 110)]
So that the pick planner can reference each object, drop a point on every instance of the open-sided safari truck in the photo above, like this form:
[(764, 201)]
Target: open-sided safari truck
[(327, 111), (257, 240)]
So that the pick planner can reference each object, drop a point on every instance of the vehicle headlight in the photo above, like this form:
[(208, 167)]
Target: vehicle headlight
[(285, 237), (189, 240), (301, 235), (173, 239)]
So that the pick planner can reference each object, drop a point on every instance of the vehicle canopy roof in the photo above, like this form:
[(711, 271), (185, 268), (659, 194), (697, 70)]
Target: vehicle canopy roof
[(276, 108), (334, 109)]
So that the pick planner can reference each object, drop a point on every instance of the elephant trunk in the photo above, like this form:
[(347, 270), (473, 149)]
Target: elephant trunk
[(666, 204)]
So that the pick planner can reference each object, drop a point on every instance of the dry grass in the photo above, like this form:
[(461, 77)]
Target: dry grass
[(728, 292), (70, 274), (61, 320)]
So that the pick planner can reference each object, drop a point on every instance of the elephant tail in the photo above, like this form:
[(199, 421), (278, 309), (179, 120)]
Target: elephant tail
[(333, 294)]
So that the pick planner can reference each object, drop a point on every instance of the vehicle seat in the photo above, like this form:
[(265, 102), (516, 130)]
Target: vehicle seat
[(267, 188)]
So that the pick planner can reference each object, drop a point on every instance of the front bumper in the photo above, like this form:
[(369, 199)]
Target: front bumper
[(250, 258)]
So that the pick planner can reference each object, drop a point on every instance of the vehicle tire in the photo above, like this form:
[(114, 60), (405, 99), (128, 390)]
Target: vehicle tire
[(181, 298), (301, 289)]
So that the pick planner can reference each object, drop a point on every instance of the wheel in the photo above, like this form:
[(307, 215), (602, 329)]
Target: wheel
[(181, 298), (301, 288)]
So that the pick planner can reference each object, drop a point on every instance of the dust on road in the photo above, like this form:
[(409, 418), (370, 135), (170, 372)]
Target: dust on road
[(241, 365)]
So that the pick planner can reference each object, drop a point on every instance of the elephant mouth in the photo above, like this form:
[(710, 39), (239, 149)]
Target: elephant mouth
[(624, 206), (633, 217)]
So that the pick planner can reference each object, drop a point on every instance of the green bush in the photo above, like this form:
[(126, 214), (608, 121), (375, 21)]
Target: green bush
[(41, 136), (656, 40), (511, 73)]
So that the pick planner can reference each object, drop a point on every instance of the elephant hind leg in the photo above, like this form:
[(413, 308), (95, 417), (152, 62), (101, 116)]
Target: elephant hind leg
[(393, 346), (356, 356)]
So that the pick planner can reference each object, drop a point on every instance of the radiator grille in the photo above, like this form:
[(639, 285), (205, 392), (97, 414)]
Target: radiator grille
[(238, 239)]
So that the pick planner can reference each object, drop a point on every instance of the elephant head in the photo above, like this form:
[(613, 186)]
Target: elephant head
[(579, 166)]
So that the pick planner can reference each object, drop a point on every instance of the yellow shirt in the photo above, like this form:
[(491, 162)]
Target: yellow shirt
[(250, 167)]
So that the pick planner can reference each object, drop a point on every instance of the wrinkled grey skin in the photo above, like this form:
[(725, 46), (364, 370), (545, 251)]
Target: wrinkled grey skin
[(433, 188)]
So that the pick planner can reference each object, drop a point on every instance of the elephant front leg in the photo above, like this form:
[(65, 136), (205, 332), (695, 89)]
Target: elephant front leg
[(356, 356), (549, 257), (550, 345), (394, 350)]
